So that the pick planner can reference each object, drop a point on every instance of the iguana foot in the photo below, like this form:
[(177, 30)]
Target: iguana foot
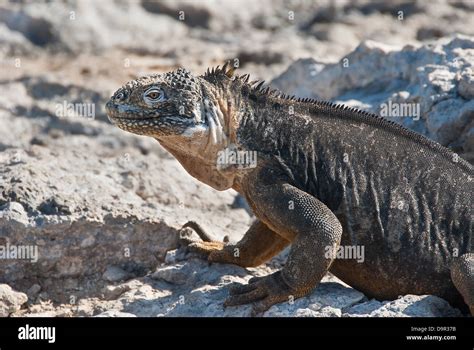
[(204, 245), (263, 292), (205, 248)]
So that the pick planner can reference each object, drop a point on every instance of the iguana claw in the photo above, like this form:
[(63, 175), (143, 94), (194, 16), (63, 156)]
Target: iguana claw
[(204, 245), (263, 292)]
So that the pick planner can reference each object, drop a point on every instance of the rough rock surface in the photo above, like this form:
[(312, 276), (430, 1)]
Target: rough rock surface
[(405, 306), (103, 207), (10, 300), (264, 35), (189, 286), (88, 212)]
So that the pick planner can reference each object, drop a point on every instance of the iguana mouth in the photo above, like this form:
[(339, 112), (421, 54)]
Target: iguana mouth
[(125, 113), (118, 110), (133, 118)]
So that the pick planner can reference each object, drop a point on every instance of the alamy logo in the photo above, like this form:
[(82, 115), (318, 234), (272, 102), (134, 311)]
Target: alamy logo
[(399, 110), (355, 252), (19, 252), (37, 333), (233, 156), (69, 110)]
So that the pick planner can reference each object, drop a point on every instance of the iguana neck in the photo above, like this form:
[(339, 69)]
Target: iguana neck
[(198, 149)]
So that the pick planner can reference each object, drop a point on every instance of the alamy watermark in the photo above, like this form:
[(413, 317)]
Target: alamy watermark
[(400, 110), (37, 333), (19, 252), (356, 252), (232, 156), (70, 110)]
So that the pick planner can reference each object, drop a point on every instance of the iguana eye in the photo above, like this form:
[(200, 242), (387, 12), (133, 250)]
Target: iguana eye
[(154, 95), (120, 96)]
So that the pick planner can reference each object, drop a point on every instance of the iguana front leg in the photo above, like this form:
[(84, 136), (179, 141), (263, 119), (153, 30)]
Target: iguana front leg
[(258, 245), (300, 218)]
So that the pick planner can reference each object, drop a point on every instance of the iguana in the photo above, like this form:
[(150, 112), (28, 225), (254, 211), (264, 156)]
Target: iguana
[(326, 176)]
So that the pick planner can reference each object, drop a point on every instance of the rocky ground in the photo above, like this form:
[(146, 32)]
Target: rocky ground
[(103, 207)]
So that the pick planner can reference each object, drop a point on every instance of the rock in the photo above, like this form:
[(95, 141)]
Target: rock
[(375, 76), (38, 30), (33, 291), (48, 205), (115, 313), (326, 301), (175, 255), (408, 8), (13, 44), (466, 84), (84, 309), (10, 300), (173, 274), (260, 57), (191, 14), (44, 295), (56, 25), (115, 274), (14, 212), (326, 311), (428, 33), (51, 313), (334, 32), (205, 289), (406, 306), (113, 292), (204, 294), (299, 79)]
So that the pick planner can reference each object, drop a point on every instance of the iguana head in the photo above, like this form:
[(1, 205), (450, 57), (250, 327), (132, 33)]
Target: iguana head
[(192, 117), (158, 105)]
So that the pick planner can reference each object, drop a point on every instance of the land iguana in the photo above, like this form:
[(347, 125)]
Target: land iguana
[(327, 176)]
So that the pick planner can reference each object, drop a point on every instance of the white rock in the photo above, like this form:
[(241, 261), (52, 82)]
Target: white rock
[(406, 306), (172, 274), (113, 292), (115, 313), (10, 300), (42, 314)]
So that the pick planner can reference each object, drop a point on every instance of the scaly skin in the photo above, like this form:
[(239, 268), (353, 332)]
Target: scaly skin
[(326, 176)]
